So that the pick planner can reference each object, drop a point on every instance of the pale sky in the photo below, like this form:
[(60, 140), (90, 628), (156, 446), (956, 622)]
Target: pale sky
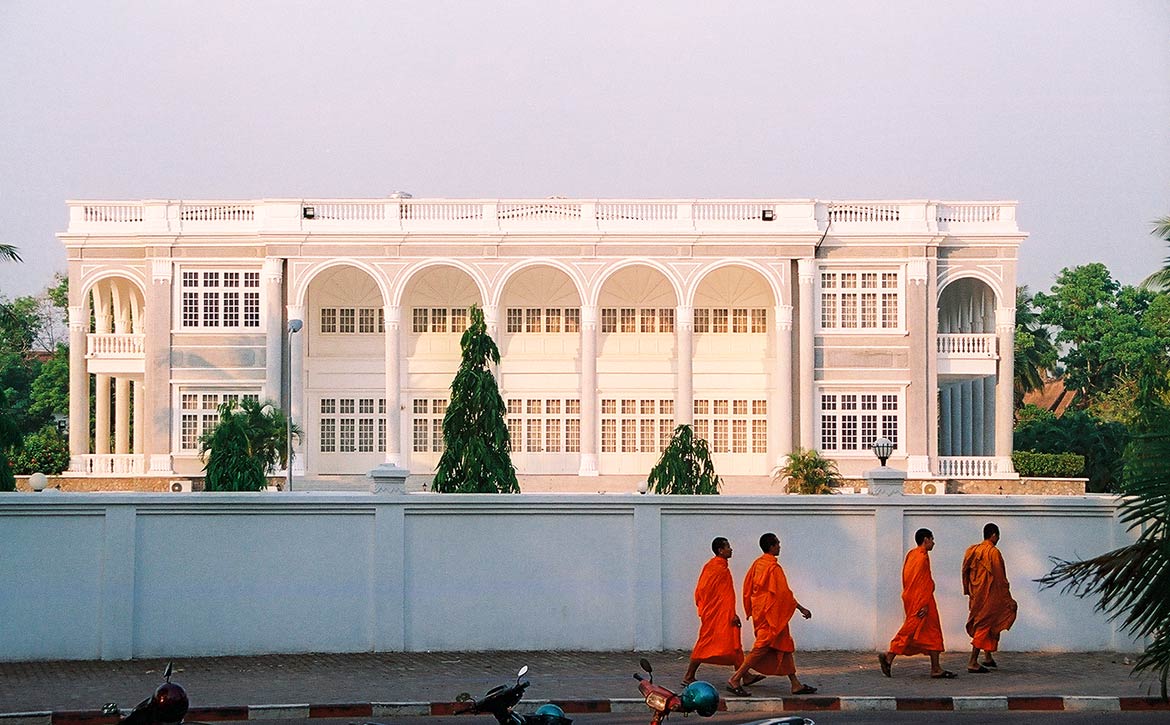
[(1063, 106)]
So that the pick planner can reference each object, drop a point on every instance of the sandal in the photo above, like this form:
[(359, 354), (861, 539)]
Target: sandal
[(990, 663), (944, 675), (738, 690), (885, 663), (980, 670), (805, 690), (753, 679)]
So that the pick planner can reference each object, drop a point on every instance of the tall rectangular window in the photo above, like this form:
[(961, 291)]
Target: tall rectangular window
[(702, 320), (852, 421), (609, 319), (345, 320), (214, 299), (859, 300)]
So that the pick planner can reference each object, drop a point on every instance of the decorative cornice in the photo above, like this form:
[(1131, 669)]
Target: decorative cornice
[(916, 270), (162, 271)]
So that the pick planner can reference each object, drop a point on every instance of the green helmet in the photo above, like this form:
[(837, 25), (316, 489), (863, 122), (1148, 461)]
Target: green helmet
[(700, 697)]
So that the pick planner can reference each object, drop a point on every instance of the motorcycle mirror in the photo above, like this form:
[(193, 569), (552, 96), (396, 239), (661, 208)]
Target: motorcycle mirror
[(645, 663), (463, 697), (523, 671), (167, 672)]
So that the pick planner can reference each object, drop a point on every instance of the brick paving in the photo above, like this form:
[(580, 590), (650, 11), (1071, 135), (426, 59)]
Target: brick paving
[(560, 676)]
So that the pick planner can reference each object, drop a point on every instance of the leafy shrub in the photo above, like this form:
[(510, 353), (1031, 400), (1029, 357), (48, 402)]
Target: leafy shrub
[(7, 480), (250, 441), (1048, 465), (807, 471), (45, 451), (685, 466), (1100, 443)]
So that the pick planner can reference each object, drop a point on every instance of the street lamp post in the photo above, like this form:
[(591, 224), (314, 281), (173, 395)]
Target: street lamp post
[(883, 480), (294, 326)]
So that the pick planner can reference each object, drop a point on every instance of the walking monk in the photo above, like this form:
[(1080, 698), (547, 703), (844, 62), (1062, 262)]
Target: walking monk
[(719, 640), (770, 604), (921, 633), (992, 609)]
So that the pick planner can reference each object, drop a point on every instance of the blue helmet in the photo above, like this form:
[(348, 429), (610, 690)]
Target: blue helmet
[(700, 697), (550, 709)]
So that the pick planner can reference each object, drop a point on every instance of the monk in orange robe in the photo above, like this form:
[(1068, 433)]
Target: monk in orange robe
[(769, 603), (991, 607), (921, 633), (719, 626)]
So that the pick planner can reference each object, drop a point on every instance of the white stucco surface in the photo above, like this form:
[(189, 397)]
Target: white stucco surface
[(111, 576)]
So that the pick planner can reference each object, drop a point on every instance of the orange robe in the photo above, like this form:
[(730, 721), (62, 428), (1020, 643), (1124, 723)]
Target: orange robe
[(918, 635), (991, 607), (770, 604), (719, 639)]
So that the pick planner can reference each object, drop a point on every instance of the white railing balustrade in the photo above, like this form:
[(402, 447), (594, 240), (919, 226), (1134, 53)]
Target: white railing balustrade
[(217, 213), (114, 345), (440, 211), (107, 464), (969, 212), (967, 466), (116, 213), (637, 211), (539, 210), (968, 345), (348, 211), (864, 212), (729, 211)]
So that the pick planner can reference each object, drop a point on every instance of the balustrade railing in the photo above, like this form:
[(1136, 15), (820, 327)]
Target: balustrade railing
[(967, 466), (763, 215), (967, 345), (107, 464), (114, 344)]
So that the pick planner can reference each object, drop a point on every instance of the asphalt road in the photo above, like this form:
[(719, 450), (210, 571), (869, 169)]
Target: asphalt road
[(823, 718)]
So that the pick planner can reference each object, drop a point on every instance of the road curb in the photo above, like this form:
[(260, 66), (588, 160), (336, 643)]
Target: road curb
[(1070, 703)]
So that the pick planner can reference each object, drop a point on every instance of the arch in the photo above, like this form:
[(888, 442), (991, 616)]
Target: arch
[(778, 297), (509, 273), (407, 275), (301, 293), (967, 305), (595, 293), (983, 276), (88, 282)]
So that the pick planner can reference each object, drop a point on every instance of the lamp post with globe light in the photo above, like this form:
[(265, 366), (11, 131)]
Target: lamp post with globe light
[(883, 480)]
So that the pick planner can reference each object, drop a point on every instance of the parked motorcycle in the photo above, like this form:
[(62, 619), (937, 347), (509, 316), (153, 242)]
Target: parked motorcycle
[(499, 701), (167, 706), (700, 697)]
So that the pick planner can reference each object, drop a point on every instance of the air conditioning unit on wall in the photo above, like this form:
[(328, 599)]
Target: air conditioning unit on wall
[(933, 488), (180, 486)]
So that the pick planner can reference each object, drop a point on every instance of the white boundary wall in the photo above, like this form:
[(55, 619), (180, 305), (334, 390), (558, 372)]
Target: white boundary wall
[(114, 576)]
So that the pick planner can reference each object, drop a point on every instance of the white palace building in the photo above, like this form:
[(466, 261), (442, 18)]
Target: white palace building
[(768, 324)]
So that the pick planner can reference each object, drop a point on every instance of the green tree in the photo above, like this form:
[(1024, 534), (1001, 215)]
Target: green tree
[(9, 252), (475, 433), (1035, 355), (249, 442), (49, 394), (9, 437), (45, 451), (1160, 280), (685, 466), (1102, 327), (806, 471), (1132, 583)]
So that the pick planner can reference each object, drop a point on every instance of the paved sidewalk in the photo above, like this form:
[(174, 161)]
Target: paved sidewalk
[(585, 678)]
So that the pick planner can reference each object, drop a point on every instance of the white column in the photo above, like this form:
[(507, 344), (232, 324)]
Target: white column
[(139, 411), (296, 390), (78, 383), (806, 269), (394, 411), (1005, 329), (156, 378), (917, 304), (684, 399), (274, 328), (491, 319), (989, 413), (944, 422), (780, 409), (101, 435), (121, 414), (588, 391), (977, 448), (956, 419), (967, 439)]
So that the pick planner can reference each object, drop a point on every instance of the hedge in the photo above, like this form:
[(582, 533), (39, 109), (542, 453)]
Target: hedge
[(1048, 465)]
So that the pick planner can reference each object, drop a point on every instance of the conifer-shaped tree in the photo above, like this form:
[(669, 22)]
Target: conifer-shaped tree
[(685, 466), (475, 433)]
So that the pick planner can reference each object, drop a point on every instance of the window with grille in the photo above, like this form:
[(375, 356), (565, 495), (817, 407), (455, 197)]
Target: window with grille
[(636, 425), (544, 425), (354, 320), (435, 319), (352, 425), (733, 425), (859, 300), (734, 320), (852, 421), (199, 413), (220, 300), (640, 320), (427, 424), (520, 320)]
